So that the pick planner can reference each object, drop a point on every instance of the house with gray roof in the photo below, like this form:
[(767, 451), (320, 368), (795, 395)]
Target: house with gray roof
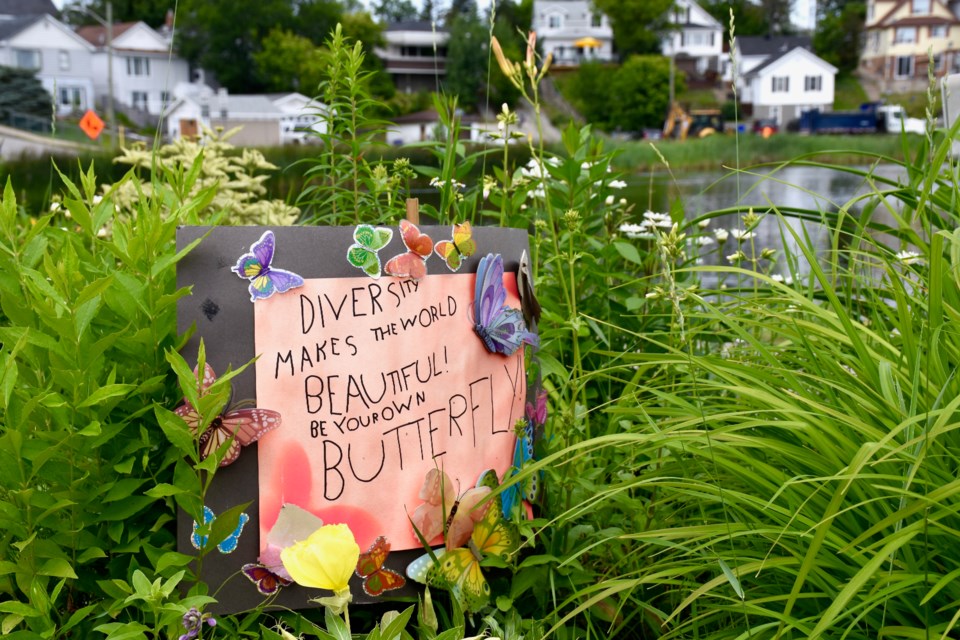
[(414, 54), (13, 9), (61, 59), (781, 77)]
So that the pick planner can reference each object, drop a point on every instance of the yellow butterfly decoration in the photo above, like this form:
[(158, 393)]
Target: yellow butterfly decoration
[(460, 246), (459, 570)]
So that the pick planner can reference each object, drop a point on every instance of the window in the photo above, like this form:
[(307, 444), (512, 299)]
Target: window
[(938, 31), (164, 98), (204, 110), (813, 83), (921, 7), (63, 58), (780, 84), (904, 66), (555, 21), (938, 63), (71, 97), (139, 100), (28, 58), (905, 34), (596, 20), (696, 38), (138, 66)]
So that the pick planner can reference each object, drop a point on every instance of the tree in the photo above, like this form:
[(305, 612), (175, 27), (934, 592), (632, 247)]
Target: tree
[(315, 19), (153, 12), (428, 11), (749, 18), (778, 15), (460, 9), (288, 62), (23, 93), (466, 60), (394, 10), (222, 36), (637, 24), (839, 34)]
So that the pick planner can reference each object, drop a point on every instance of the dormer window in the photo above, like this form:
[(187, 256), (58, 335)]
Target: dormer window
[(555, 21), (921, 7)]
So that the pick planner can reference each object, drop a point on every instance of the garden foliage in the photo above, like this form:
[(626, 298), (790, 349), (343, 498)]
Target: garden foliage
[(764, 449)]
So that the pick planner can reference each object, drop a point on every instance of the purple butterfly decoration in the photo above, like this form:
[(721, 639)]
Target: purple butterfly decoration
[(265, 280), (267, 582), (501, 328)]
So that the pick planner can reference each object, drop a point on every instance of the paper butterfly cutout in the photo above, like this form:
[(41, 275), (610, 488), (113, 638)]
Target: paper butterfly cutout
[(442, 512), (240, 427), (376, 578), (265, 280), (461, 246), (413, 263), (459, 570), (268, 583), (363, 253), (228, 544), (538, 413), (501, 328), (528, 298)]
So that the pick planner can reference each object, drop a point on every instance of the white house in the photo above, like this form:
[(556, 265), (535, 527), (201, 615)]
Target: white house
[(752, 51), (415, 55), (696, 39), (62, 59), (301, 115), (573, 31), (144, 71), (785, 85)]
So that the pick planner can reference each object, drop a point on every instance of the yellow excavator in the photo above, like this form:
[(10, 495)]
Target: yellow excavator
[(700, 122)]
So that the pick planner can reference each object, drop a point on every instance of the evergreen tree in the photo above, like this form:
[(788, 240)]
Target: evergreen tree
[(23, 93), (839, 35), (394, 10), (466, 60)]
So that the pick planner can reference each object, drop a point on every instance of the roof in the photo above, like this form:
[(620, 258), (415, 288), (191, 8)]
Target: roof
[(770, 45), (926, 19), (27, 7), (96, 34), (10, 28), (414, 25), (773, 59)]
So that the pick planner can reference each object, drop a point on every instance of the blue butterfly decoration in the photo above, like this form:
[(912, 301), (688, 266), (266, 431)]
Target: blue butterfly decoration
[(529, 489), (501, 328), (265, 279), (229, 544)]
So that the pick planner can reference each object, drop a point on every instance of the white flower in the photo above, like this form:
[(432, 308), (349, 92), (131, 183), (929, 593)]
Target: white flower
[(909, 257), (895, 332), (703, 241), (740, 235), (97, 199), (102, 233), (734, 258), (703, 224), (54, 206), (623, 201), (609, 201), (617, 184), (637, 231), (777, 277), (721, 235)]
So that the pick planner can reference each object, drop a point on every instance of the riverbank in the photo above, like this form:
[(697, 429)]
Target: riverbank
[(747, 150)]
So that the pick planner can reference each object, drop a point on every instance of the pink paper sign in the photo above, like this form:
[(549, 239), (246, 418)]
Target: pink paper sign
[(379, 381)]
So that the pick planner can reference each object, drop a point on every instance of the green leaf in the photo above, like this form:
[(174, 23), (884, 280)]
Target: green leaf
[(176, 431), (163, 490), (628, 252), (58, 568), (105, 393), (731, 578)]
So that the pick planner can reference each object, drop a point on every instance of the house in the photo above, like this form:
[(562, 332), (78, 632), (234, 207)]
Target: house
[(301, 116), (752, 51), (63, 61), (787, 83), (573, 31), (415, 55), (903, 37), (426, 125), (266, 120), (13, 9), (695, 40), (144, 70)]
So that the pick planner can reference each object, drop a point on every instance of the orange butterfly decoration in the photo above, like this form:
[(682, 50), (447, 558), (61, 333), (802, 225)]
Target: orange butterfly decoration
[(239, 427), (413, 263), (376, 578)]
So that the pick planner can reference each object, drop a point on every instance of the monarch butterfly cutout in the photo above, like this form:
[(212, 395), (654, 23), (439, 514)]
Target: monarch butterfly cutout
[(376, 578)]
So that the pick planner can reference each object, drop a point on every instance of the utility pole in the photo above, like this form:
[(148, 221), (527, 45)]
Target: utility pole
[(107, 23)]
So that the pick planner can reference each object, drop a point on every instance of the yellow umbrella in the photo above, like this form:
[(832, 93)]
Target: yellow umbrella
[(587, 43)]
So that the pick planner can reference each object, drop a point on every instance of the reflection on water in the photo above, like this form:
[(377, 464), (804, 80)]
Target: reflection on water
[(813, 188)]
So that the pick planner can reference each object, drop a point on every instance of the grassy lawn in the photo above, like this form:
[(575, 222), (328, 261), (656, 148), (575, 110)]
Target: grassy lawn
[(699, 99), (849, 94)]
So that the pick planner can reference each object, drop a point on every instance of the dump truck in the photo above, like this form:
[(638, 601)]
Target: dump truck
[(871, 118)]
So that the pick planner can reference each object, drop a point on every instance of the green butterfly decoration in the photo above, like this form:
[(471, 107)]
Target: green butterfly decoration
[(363, 253)]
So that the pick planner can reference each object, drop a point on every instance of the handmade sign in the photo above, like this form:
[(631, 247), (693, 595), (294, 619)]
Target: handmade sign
[(378, 360)]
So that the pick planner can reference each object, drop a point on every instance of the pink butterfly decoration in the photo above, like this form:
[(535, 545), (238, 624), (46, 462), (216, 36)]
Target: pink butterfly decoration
[(442, 510)]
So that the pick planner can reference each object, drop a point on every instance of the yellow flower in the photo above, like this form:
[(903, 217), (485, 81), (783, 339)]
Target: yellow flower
[(325, 560)]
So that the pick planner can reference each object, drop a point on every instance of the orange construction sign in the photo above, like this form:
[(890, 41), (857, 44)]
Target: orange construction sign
[(91, 124)]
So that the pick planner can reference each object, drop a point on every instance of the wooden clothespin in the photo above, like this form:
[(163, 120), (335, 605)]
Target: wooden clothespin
[(413, 210)]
